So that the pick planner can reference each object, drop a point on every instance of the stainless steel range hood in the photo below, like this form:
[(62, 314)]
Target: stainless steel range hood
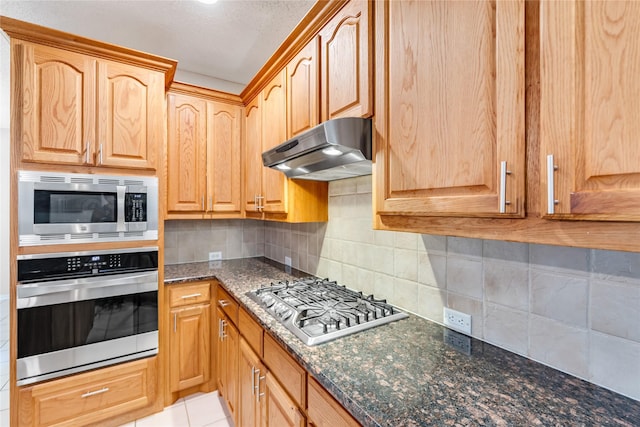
[(336, 149)]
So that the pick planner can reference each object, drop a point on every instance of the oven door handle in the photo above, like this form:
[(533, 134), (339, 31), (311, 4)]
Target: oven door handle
[(70, 290)]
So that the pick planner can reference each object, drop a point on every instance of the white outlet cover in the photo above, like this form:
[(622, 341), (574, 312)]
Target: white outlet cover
[(457, 320), (215, 256)]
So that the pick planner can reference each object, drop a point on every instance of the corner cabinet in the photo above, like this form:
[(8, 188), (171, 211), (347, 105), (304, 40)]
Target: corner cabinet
[(590, 110), (346, 57), (203, 154), (76, 109), (268, 193), (449, 119)]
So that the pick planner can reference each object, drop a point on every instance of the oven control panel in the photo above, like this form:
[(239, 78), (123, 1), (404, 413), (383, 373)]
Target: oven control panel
[(82, 264)]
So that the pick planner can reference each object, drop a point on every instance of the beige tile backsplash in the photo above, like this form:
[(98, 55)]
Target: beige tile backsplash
[(577, 310)]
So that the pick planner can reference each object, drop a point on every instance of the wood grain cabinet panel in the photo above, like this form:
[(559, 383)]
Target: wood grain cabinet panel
[(590, 53), (89, 398), (279, 409), (250, 399), (450, 108), (228, 362), (346, 43), (203, 155), (323, 410), (302, 90), (190, 346), (80, 110)]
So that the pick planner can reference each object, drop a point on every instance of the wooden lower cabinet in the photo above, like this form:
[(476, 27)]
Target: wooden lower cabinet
[(111, 396), (227, 359), (280, 409), (323, 410), (250, 398), (188, 335)]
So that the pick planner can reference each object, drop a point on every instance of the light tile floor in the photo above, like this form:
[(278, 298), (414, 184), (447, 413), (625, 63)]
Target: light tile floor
[(198, 410)]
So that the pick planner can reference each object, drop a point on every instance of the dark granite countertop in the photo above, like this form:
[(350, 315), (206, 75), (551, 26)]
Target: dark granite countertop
[(406, 374)]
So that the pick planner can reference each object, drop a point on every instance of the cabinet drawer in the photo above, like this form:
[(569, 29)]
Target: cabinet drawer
[(251, 331), (180, 295), (291, 375), (228, 305), (324, 410), (88, 398)]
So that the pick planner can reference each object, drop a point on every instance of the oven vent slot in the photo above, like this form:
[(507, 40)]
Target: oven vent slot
[(108, 181), (78, 180), (48, 237), (47, 178), (108, 235), (133, 182), (134, 234), (77, 236)]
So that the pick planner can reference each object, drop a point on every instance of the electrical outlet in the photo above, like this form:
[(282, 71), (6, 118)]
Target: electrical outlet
[(215, 256), (456, 320), (287, 261)]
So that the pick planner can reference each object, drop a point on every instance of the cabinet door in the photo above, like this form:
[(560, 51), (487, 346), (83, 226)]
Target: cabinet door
[(450, 108), (249, 401), (58, 104), (186, 153), (228, 364), (302, 90), (190, 347), (253, 155), (346, 66), (590, 63), (130, 119), (274, 132), (223, 159), (279, 409)]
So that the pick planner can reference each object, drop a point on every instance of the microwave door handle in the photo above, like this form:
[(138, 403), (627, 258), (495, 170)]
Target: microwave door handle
[(121, 191)]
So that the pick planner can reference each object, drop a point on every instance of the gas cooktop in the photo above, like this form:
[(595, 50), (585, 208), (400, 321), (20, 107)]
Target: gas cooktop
[(319, 310)]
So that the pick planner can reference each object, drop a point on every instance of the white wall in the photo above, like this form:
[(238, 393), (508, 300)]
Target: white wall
[(4, 163), (209, 82)]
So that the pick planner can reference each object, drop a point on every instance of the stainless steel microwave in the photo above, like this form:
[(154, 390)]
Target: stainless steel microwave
[(56, 208)]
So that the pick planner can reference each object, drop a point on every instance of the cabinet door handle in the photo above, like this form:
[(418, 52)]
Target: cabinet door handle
[(100, 155), (253, 380), (191, 296), (260, 378), (86, 154), (93, 393), (551, 200), (219, 328), (223, 303), (175, 322), (211, 203), (503, 186), (224, 323)]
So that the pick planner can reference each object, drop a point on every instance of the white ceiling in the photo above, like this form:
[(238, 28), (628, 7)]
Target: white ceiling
[(228, 40)]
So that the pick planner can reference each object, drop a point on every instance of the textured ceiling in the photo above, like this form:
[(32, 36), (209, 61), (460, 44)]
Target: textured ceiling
[(228, 40)]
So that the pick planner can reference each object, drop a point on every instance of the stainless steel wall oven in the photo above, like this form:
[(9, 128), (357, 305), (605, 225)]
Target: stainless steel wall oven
[(83, 310)]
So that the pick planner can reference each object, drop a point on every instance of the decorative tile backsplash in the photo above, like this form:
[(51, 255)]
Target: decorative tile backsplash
[(577, 310)]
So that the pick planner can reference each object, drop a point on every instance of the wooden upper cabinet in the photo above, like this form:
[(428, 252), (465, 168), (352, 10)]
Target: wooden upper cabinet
[(590, 109), (253, 156), (203, 154), (450, 108), (79, 110), (186, 153), (58, 104), (346, 51), (224, 123), (130, 115), (274, 132), (302, 90)]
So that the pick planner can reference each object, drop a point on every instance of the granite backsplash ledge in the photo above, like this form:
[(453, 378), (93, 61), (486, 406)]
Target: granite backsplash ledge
[(405, 373)]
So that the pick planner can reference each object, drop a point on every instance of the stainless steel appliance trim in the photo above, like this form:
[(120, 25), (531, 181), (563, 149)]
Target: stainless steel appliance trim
[(82, 289), (78, 359), (87, 253), (120, 191)]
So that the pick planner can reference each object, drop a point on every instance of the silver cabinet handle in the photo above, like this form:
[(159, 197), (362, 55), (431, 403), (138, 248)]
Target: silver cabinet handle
[(175, 322), (253, 380), (503, 186), (100, 155), (93, 393), (220, 329), (86, 154), (260, 378), (202, 202), (191, 296), (551, 200), (223, 303), (210, 203), (224, 323), (257, 200)]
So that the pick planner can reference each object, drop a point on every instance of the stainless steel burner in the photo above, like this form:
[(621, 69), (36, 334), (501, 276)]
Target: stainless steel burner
[(319, 310)]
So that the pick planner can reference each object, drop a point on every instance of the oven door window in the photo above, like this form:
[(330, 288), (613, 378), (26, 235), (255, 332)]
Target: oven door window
[(61, 326), (74, 207)]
